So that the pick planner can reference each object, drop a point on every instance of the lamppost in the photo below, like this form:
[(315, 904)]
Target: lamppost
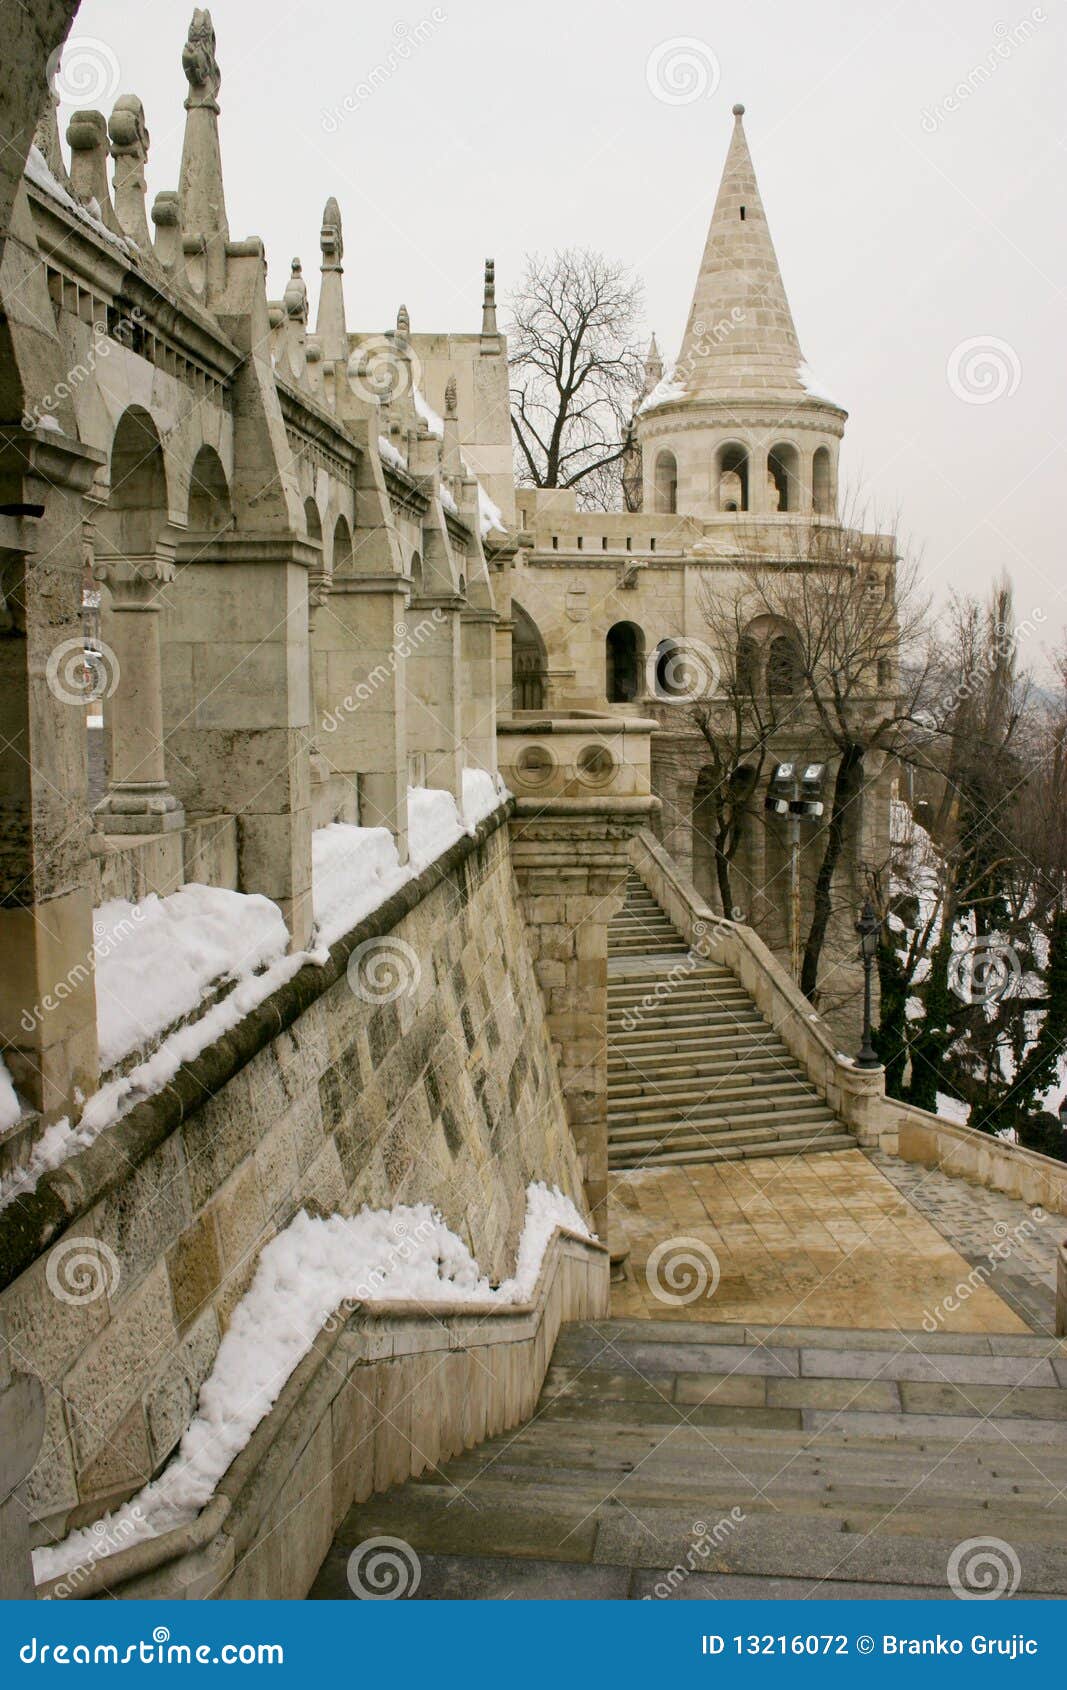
[(868, 927), (795, 790)]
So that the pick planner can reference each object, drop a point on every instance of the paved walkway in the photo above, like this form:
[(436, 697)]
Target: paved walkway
[(1011, 1245), (826, 1240)]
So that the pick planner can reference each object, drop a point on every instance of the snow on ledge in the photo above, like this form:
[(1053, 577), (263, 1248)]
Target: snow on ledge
[(307, 1272), (40, 175), (354, 871), (811, 384)]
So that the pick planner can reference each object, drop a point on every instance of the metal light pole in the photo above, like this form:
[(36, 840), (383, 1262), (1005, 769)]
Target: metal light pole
[(868, 927), (795, 791)]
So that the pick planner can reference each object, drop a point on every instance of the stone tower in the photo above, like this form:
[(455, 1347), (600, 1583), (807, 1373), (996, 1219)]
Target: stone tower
[(739, 426)]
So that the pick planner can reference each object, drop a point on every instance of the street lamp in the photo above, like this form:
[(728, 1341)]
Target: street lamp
[(794, 791), (868, 927)]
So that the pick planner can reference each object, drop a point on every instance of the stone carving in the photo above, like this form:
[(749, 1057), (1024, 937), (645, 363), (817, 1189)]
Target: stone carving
[(200, 64)]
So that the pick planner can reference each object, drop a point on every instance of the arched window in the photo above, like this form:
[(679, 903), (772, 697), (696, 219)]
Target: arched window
[(667, 483), (312, 521), (783, 478), (624, 660), (671, 675), (821, 488), (528, 661), (732, 477), (415, 571), (783, 667)]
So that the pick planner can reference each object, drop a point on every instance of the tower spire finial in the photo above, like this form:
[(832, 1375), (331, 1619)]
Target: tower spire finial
[(489, 298)]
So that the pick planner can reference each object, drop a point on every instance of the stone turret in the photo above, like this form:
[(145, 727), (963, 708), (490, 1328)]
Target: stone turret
[(738, 426)]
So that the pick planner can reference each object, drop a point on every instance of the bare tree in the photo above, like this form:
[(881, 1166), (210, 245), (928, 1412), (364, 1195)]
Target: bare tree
[(576, 370), (855, 619)]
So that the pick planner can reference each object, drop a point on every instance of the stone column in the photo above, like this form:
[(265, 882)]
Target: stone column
[(571, 859), (479, 687), (432, 645), (139, 799), (364, 712), (318, 593), (47, 1000)]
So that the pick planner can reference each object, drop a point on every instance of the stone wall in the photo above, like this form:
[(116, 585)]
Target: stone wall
[(322, 1099)]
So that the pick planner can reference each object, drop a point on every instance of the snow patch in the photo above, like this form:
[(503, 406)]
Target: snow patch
[(390, 453), (10, 1107), (669, 390), (951, 1109), (429, 416), (38, 173), (810, 382), (304, 1275)]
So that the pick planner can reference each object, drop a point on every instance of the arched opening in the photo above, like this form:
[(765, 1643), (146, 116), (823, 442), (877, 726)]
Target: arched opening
[(312, 520), (415, 571), (822, 497), (783, 667), (666, 491), (783, 478), (732, 477), (342, 547), (528, 661), (137, 504), (624, 661), (210, 511), (671, 676)]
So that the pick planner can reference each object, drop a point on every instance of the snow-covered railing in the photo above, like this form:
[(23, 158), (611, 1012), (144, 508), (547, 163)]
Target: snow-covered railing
[(386, 1390)]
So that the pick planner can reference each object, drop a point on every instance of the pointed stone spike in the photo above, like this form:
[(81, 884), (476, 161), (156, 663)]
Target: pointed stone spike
[(200, 187), (129, 149), (489, 298), (403, 325), (87, 140), (330, 325)]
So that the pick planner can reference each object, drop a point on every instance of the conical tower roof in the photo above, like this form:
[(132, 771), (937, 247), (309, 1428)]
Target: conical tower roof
[(740, 341)]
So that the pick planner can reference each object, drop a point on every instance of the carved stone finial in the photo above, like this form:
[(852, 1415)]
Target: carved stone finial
[(129, 149), (200, 64), (127, 128), (489, 298), (403, 324), (331, 243), (295, 297), (87, 140), (450, 397)]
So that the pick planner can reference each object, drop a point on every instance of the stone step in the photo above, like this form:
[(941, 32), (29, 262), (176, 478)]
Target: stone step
[(637, 1089), (708, 1106), (702, 1151)]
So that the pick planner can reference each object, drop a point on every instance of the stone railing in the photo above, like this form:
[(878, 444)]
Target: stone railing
[(857, 1096), (386, 1391)]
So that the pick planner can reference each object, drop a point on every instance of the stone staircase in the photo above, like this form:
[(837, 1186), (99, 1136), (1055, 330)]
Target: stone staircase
[(695, 1073), (691, 1460)]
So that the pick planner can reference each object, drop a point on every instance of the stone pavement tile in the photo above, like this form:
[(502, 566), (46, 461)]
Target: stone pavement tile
[(939, 1369), (741, 1389), (1040, 1403), (952, 1428), (864, 1395)]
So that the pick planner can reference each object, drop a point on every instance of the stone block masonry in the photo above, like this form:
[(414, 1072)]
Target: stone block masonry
[(326, 1098)]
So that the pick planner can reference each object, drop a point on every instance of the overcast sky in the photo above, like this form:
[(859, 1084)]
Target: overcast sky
[(922, 246)]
